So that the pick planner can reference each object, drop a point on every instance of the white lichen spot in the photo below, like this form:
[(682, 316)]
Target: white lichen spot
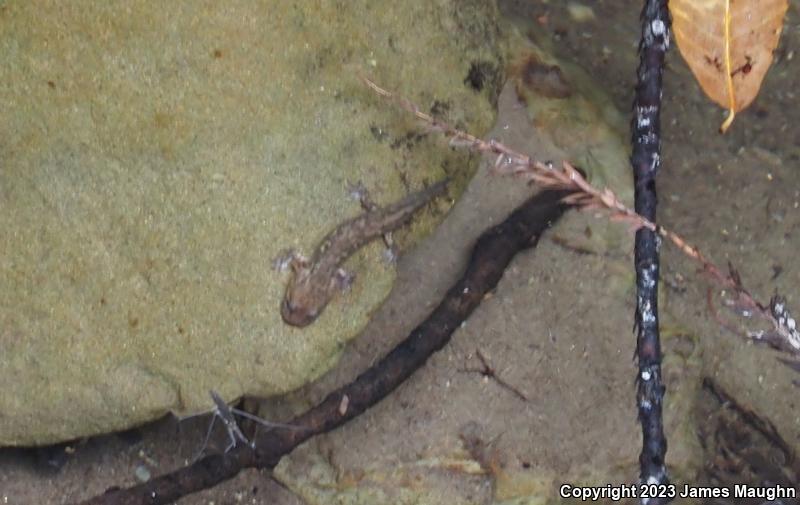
[(794, 339), (658, 27), (647, 312), (791, 323), (646, 405), (648, 138), (655, 159), (653, 479), (648, 277), (646, 109), (646, 375), (642, 121)]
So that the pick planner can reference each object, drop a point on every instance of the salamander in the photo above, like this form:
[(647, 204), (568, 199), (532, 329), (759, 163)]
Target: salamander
[(316, 280)]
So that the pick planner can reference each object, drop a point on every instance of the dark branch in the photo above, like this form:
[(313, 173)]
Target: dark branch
[(491, 255), (646, 159)]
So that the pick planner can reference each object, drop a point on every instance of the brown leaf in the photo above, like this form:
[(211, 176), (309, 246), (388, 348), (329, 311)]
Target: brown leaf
[(728, 45)]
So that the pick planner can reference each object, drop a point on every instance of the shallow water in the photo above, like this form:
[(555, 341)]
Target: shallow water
[(735, 196)]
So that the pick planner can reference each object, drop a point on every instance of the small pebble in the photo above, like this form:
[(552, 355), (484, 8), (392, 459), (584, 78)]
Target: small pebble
[(142, 473), (580, 13)]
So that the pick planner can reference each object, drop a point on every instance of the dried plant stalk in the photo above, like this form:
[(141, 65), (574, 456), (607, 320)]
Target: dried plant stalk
[(784, 334)]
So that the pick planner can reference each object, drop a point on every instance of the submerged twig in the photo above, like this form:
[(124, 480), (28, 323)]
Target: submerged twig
[(491, 255), (486, 370), (645, 162)]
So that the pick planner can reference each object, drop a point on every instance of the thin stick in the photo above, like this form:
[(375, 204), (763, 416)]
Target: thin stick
[(587, 197), (489, 372)]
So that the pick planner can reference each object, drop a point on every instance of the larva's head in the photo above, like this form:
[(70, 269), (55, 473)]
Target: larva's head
[(303, 301)]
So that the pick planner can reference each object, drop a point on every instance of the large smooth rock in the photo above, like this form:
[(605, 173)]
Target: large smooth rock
[(156, 156)]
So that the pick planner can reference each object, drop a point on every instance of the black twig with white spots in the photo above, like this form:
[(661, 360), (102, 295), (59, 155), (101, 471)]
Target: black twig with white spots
[(646, 159)]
